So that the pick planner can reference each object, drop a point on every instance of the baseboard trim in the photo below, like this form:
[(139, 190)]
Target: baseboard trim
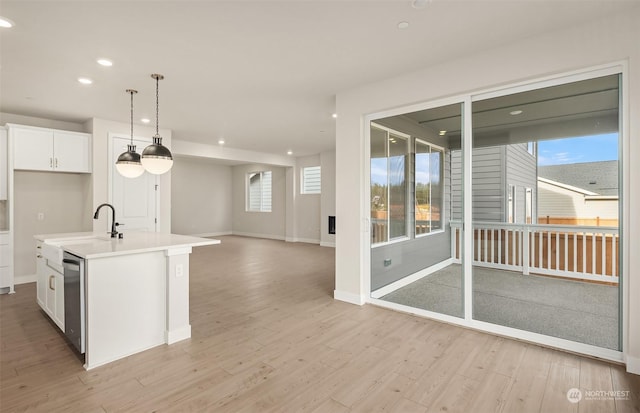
[(327, 244), (348, 297), (305, 240), (212, 234), (633, 364), (254, 235), (389, 288), (25, 279), (179, 334)]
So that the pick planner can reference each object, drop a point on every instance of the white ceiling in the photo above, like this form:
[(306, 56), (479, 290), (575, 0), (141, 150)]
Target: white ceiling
[(262, 75)]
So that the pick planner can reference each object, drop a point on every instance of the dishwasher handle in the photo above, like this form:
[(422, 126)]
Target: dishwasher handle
[(72, 265)]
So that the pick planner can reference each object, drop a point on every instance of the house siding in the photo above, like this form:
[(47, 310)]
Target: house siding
[(521, 168)]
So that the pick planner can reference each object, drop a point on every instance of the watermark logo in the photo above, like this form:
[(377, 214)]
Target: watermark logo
[(574, 395)]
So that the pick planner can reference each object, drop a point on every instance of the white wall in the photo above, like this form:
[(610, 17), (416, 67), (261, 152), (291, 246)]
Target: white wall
[(328, 198), (201, 196), (101, 129), (307, 206), (259, 224), (612, 39), (41, 122)]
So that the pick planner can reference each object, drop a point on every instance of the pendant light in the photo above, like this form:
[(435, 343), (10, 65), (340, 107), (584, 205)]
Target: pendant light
[(128, 163), (156, 158)]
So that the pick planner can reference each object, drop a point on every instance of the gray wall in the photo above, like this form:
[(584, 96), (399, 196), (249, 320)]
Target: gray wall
[(201, 197), (64, 200), (307, 206), (259, 224)]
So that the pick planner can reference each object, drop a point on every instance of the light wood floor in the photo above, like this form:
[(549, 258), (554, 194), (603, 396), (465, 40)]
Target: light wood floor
[(267, 336)]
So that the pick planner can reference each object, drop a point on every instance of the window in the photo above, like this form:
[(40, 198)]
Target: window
[(259, 191), (389, 197), (311, 182), (428, 187), (531, 148)]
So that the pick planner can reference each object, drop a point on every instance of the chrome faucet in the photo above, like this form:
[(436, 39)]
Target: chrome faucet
[(114, 224)]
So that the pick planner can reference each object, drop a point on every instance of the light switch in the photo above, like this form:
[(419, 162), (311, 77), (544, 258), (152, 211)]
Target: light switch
[(40, 216), (179, 270)]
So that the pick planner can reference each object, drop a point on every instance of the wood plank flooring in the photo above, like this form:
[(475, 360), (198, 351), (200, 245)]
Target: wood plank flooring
[(267, 336)]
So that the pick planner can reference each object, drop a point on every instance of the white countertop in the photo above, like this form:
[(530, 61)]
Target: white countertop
[(89, 245)]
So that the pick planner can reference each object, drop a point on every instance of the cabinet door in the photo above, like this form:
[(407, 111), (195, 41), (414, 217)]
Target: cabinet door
[(72, 152), (33, 149), (58, 316), (41, 282), (4, 172), (51, 293)]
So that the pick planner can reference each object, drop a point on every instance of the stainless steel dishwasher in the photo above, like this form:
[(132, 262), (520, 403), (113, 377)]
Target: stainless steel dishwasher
[(74, 325)]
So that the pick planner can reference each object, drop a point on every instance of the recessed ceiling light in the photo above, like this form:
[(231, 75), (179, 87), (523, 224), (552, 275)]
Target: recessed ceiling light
[(105, 62), (515, 112), (335, 115), (289, 152), (85, 80), (145, 120), (403, 25), (443, 132), (6, 23), (420, 4), (220, 141)]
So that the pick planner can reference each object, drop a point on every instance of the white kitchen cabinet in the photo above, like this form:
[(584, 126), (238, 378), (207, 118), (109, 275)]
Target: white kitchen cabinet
[(6, 259), (3, 164), (49, 288), (42, 149)]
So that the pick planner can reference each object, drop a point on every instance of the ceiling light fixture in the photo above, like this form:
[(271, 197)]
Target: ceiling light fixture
[(443, 132), (6, 23), (220, 141), (85, 80), (335, 115), (289, 152), (128, 163), (403, 25), (157, 158), (105, 62), (420, 4), (515, 112), (145, 120)]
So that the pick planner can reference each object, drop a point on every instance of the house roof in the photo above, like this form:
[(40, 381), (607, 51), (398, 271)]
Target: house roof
[(598, 177)]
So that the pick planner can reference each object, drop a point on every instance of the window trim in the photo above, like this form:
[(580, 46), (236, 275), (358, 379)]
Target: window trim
[(442, 209), (248, 192), (303, 190)]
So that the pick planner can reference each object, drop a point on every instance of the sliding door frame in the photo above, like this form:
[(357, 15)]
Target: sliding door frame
[(467, 100)]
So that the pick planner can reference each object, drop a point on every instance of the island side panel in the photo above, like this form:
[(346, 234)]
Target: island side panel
[(125, 306), (178, 326)]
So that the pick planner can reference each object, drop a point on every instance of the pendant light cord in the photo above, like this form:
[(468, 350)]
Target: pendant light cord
[(131, 117), (157, 105)]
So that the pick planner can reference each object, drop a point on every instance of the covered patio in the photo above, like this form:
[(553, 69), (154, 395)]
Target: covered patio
[(584, 312)]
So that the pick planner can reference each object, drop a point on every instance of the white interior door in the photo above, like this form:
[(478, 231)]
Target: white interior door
[(135, 200)]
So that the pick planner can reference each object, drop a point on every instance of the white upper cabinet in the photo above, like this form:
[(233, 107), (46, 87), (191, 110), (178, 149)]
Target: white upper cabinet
[(43, 149)]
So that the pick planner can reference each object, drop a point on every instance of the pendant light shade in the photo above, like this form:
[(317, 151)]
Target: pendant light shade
[(128, 163), (157, 158)]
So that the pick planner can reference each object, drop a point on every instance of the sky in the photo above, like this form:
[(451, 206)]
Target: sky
[(574, 150)]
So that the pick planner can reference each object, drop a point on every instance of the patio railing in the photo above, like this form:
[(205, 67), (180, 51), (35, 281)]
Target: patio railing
[(580, 252)]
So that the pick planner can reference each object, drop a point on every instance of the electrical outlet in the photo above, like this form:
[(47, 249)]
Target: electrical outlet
[(387, 262), (179, 270)]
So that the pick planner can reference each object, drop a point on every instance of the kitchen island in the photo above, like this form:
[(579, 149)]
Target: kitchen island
[(135, 290)]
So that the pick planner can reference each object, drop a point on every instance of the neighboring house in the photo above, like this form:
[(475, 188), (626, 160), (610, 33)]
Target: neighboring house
[(504, 183), (581, 193)]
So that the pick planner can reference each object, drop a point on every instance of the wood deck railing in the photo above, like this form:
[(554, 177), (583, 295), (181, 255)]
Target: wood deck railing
[(580, 252)]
